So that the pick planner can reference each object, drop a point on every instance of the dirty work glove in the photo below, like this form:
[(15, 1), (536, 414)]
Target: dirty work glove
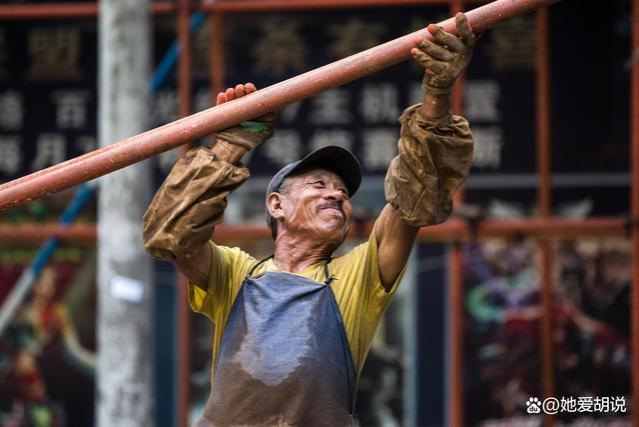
[(446, 57), (251, 133)]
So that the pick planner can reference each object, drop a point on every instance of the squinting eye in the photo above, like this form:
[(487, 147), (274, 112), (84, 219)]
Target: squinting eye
[(319, 184)]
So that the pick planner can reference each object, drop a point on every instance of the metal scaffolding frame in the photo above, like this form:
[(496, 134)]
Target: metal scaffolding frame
[(544, 228)]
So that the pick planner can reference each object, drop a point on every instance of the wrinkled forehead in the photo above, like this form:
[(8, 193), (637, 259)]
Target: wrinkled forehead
[(317, 173)]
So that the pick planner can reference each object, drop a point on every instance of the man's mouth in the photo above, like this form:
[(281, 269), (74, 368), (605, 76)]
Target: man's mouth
[(333, 208)]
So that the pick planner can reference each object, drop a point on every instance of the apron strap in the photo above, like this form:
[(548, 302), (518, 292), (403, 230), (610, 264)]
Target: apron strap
[(250, 273), (328, 278)]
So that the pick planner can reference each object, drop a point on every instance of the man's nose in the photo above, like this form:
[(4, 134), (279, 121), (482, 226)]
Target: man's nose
[(335, 194)]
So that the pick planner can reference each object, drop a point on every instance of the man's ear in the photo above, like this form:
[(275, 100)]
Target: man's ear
[(275, 205)]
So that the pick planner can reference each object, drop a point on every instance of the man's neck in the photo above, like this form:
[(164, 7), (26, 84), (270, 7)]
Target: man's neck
[(294, 255)]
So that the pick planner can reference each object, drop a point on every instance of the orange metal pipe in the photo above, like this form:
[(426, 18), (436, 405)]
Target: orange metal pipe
[(36, 233), (145, 145), (545, 206), (456, 294), (65, 10), (451, 230), (634, 197)]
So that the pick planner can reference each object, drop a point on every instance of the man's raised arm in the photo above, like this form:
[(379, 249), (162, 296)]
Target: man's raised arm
[(185, 210), (435, 152)]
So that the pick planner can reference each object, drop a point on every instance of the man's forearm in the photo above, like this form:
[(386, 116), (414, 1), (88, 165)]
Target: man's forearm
[(434, 158), (224, 150), (197, 268), (186, 208), (436, 106)]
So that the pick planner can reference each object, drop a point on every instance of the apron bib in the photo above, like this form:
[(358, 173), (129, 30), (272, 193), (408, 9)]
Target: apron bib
[(284, 358)]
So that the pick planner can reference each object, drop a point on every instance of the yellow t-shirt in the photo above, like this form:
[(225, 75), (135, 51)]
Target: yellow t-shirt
[(357, 286)]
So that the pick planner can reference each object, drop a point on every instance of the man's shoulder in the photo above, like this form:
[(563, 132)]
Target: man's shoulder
[(354, 253), (231, 255)]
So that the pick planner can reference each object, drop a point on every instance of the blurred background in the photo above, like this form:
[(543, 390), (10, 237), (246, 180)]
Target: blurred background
[(525, 292)]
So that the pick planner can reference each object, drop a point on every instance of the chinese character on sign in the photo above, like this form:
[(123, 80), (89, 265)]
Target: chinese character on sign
[(488, 144), (513, 44), (71, 108), (480, 100), (285, 148), (50, 150), (289, 113), (11, 110), (354, 36), (323, 137), (280, 48), (54, 53), (380, 146), (379, 103), (10, 155), (330, 107)]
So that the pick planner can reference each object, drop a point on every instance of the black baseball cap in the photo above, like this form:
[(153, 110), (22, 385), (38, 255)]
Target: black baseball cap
[(333, 158)]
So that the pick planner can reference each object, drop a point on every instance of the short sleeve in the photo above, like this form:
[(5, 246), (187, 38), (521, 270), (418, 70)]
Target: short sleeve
[(229, 266), (360, 295)]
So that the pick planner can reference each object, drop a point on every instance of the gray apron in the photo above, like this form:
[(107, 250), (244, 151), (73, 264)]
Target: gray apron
[(284, 358)]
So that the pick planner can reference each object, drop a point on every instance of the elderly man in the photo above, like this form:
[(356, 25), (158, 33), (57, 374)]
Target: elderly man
[(292, 331)]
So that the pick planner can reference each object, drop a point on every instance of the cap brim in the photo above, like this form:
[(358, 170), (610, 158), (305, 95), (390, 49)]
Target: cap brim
[(336, 159)]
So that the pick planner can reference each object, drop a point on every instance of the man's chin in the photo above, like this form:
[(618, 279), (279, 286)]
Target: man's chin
[(337, 233)]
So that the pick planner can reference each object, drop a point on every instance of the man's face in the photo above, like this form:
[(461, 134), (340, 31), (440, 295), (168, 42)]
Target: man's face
[(316, 203)]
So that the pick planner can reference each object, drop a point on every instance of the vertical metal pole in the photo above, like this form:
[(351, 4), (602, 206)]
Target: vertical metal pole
[(125, 386), (544, 203), (634, 188), (217, 66), (456, 283), (183, 314)]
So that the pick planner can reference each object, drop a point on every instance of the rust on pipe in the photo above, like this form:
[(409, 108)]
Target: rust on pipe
[(545, 207), (634, 196), (65, 10), (137, 148)]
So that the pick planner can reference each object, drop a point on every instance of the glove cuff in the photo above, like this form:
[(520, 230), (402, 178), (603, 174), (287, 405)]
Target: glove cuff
[(435, 90)]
